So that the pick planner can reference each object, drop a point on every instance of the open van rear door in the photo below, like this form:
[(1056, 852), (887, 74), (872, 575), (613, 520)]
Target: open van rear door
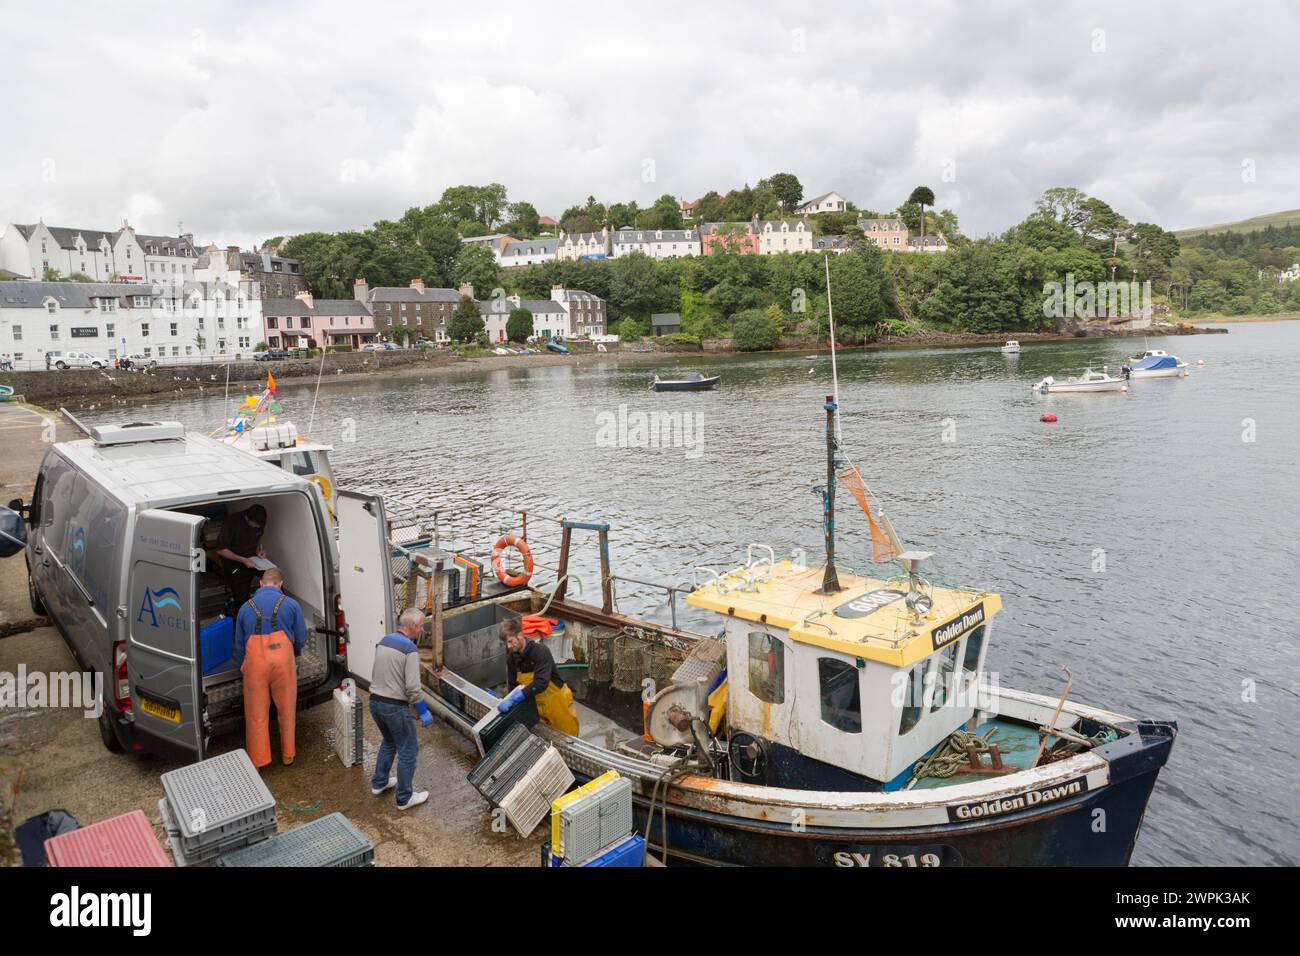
[(365, 577), (162, 652)]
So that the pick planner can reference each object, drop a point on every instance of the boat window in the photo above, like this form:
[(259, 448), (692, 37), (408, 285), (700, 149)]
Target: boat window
[(297, 462), (913, 699), (841, 701), (941, 666), (766, 667), (974, 645)]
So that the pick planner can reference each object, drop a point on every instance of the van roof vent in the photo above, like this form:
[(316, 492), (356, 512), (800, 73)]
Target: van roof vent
[(135, 432)]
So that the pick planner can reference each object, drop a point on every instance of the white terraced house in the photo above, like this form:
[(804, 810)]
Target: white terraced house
[(527, 252), (192, 321), (584, 245), (28, 250), (657, 243), (826, 202), (784, 235)]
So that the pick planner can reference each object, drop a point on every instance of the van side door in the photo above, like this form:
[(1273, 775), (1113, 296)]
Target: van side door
[(365, 577), (162, 626)]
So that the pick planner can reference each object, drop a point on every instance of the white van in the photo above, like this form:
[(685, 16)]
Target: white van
[(120, 554)]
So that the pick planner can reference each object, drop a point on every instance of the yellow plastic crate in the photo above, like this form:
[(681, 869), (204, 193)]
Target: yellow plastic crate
[(557, 828)]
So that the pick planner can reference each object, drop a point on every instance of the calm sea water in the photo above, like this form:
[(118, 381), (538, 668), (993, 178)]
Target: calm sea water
[(1147, 540)]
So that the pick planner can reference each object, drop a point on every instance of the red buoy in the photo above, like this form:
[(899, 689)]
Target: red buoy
[(1047, 417)]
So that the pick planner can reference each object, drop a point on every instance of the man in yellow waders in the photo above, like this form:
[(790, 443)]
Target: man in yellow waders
[(531, 671), (269, 635)]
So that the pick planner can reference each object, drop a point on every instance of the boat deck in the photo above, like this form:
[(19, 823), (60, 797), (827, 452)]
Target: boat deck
[(1017, 742)]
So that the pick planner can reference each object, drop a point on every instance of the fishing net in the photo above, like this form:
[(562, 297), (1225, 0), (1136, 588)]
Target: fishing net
[(882, 548)]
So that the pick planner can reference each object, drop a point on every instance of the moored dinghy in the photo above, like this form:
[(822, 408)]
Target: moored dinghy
[(692, 382), (1156, 366)]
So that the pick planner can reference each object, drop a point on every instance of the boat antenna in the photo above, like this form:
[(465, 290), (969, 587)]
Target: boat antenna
[(225, 403), (830, 580), (835, 374), (319, 372)]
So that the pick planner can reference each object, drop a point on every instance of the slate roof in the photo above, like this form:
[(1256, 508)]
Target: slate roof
[(69, 295), (407, 294), (524, 247), (295, 306), (66, 238)]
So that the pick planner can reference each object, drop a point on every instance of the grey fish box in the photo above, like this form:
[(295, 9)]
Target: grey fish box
[(217, 799), (331, 841)]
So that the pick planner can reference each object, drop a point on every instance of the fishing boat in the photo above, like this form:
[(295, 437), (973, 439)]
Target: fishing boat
[(692, 382), (1011, 348), (1089, 381), (1156, 366), (810, 715), (260, 428)]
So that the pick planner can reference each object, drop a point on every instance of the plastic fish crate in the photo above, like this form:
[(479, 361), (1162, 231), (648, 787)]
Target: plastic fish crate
[(126, 840), (216, 799), (516, 767), (595, 821), (517, 751), (628, 852), (205, 855), (349, 724), (529, 801), (331, 841)]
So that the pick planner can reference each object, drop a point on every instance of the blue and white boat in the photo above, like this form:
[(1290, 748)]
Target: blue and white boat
[(1156, 366)]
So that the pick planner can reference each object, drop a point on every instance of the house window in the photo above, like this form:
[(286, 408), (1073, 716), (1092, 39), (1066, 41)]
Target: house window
[(109, 329), (54, 332), (52, 307), (144, 332), (766, 667), (18, 333), (147, 352), (840, 697)]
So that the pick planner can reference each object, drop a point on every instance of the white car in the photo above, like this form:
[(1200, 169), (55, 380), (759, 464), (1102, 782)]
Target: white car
[(78, 360)]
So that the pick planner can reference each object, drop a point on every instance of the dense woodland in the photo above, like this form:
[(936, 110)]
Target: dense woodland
[(980, 285)]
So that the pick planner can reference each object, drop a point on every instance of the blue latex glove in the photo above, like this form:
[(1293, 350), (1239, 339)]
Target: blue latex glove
[(514, 698), (426, 718)]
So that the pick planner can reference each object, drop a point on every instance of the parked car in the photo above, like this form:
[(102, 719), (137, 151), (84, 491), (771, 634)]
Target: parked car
[(120, 562), (142, 361), (64, 360), (271, 355)]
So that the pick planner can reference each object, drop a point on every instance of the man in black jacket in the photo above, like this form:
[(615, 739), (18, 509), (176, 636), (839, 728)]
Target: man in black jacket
[(535, 682)]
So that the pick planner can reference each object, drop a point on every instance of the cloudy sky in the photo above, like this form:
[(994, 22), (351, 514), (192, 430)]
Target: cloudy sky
[(244, 120)]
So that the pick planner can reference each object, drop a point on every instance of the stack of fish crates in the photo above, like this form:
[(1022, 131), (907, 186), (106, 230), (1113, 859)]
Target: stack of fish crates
[(349, 724), (522, 775), (331, 841), (215, 806), (592, 820), (124, 841)]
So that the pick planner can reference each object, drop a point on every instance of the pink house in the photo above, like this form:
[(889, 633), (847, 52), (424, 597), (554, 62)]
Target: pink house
[(308, 322)]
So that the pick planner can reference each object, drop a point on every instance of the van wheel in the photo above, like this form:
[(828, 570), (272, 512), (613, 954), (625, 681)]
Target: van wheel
[(33, 596), (61, 365), (107, 732)]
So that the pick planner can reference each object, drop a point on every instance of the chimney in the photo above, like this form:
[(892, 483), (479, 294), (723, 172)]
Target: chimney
[(417, 284), (467, 288), (361, 291), (305, 297)]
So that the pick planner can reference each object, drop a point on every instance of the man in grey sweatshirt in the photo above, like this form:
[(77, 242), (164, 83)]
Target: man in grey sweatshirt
[(394, 690)]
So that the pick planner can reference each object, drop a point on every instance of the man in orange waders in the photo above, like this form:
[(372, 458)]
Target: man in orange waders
[(540, 694), (269, 635)]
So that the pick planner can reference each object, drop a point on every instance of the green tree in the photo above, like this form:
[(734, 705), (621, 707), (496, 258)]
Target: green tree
[(922, 196), (786, 188), (466, 323), (524, 221), (754, 331), (519, 325), (478, 266)]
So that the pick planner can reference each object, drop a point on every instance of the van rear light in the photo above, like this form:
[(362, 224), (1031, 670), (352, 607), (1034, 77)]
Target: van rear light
[(121, 682), (340, 625)]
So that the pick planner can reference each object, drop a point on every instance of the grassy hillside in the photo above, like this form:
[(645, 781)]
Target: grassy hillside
[(1288, 218)]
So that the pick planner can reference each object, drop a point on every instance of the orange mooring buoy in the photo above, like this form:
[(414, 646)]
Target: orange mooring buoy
[(1047, 417)]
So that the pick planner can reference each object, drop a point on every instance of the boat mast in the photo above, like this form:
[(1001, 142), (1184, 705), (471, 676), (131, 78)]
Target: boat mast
[(830, 580)]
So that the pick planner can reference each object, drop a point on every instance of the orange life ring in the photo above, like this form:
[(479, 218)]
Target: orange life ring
[(520, 545)]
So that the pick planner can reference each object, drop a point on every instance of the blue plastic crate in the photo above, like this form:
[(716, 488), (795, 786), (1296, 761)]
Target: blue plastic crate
[(627, 852)]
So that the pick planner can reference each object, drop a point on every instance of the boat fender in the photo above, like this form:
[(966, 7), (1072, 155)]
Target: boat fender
[(520, 545), (1047, 417)]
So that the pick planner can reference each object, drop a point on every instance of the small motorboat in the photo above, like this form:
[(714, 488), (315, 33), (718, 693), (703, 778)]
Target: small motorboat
[(694, 382), (1089, 381), (1011, 348), (1156, 366), (557, 347)]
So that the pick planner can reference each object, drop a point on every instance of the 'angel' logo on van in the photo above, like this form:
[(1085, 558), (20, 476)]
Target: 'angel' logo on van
[(155, 604)]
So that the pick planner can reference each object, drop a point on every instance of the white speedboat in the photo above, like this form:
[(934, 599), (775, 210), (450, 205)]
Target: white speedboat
[(1089, 381), (1156, 366), (1011, 348)]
